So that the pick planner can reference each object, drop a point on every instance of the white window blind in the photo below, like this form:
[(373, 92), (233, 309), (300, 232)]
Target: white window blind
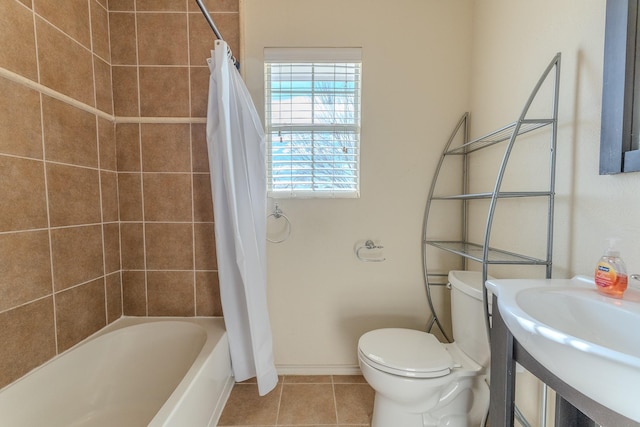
[(312, 103)]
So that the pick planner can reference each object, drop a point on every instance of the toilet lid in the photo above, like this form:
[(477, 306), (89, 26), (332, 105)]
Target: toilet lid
[(405, 352)]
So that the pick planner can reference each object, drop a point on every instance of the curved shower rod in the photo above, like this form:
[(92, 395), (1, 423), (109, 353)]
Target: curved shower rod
[(212, 24)]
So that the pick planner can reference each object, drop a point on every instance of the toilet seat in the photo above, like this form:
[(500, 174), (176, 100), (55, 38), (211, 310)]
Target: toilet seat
[(405, 352)]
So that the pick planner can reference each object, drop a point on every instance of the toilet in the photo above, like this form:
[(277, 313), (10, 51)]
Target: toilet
[(421, 382)]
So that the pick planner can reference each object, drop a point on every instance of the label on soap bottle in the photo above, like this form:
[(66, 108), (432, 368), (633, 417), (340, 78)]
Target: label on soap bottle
[(609, 280), (606, 275)]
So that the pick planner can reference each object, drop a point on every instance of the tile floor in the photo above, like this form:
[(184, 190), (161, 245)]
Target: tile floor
[(300, 400)]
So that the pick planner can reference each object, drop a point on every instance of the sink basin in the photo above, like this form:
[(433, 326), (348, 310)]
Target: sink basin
[(590, 341)]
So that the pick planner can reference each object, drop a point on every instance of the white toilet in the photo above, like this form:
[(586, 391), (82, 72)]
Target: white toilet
[(420, 382)]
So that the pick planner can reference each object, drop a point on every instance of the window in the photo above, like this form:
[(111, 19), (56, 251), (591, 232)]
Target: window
[(312, 121)]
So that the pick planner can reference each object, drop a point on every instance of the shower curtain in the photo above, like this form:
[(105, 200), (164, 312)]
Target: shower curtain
[(235, 140)]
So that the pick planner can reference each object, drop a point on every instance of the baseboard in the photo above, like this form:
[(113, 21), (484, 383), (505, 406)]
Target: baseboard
[(318, 370)]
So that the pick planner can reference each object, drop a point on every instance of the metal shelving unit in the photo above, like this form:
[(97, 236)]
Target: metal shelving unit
[(508, 136)]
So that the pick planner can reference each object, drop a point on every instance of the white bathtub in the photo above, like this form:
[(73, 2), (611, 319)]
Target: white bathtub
[(135, 372)]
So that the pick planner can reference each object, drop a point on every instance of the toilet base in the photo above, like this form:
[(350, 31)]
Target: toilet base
[(387, 413)]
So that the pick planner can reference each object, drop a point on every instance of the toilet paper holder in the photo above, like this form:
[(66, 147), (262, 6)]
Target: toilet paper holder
[(368, 245)]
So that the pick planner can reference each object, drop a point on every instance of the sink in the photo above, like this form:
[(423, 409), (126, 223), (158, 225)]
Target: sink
[(589, 341)]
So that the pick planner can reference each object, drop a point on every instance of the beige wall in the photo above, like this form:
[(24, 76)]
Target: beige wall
[(65, 185), (415, 84), (512, 42), (590, 207), (424, 63)]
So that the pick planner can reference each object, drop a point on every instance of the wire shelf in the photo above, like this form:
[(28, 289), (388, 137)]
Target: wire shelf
[(500, 135), (475, 252)]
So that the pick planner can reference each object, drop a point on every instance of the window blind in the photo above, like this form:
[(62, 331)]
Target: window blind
[(312, 115)]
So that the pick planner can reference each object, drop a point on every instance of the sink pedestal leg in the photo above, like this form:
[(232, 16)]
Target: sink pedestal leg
[(569, 415), (503, 376)]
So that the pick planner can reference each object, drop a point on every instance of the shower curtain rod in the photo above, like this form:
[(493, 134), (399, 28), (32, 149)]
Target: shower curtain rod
[(212, 24)]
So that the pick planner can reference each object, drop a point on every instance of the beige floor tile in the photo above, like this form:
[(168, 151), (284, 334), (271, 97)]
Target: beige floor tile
[(246, 407), (302, 401), (307, 379), (354, 403), (349, 379), (307, 404)]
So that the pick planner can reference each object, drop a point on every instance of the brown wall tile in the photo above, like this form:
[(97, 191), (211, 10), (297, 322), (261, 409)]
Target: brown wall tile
[(132, 240), (125, 91), (77, 255), (22, 192), (20, 126), (229, 26), (104, 90), (199, 91), (80, 311), (217, 5), (130, 196), (208, 294), (170, 293), (202, 198), (201, 39), (18, 53), (169, 246), (164, 92), (28, 339), (128, 147), (25, 268), (107, 144), (122, 5), (71, 16), (74, 195), (167, 197), (165, 147), (111, 247), (199, 150), (161, 5), (114, 297), (100, 30), (69, 134), (122, 29), (162, 38), (205, 246), (65, 66), (134, 293), (78, 42), (109, 184)]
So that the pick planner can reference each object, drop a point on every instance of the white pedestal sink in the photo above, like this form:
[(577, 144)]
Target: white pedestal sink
[(589, 341)]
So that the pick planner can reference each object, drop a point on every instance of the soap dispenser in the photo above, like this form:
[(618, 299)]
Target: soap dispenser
[(611, 273)]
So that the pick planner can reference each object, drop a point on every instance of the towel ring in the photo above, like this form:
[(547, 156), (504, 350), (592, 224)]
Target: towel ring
[(277, 214)]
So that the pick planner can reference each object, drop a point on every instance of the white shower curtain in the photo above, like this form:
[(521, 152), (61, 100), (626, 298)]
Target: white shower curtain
[(235, 140)]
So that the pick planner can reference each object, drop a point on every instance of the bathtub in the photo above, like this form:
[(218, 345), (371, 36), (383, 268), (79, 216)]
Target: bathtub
[(135, 372)]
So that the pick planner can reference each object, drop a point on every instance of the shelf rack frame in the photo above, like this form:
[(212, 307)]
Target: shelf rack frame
[(482, 252)]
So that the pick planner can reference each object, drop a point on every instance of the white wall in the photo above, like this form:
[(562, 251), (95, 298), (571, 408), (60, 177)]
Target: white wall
[(416, 62)]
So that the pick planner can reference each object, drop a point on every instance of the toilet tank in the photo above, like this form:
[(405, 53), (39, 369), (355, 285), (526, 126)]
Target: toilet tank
[(467, 315)]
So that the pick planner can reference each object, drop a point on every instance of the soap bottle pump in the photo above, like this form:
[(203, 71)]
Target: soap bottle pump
[(611, 273)]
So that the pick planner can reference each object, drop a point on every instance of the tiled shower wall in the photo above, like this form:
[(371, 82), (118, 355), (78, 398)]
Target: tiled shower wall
[(160, 75), (105, 206)]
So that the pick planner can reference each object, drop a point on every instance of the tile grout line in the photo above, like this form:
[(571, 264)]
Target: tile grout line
[(280, 401), (335, 400)]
